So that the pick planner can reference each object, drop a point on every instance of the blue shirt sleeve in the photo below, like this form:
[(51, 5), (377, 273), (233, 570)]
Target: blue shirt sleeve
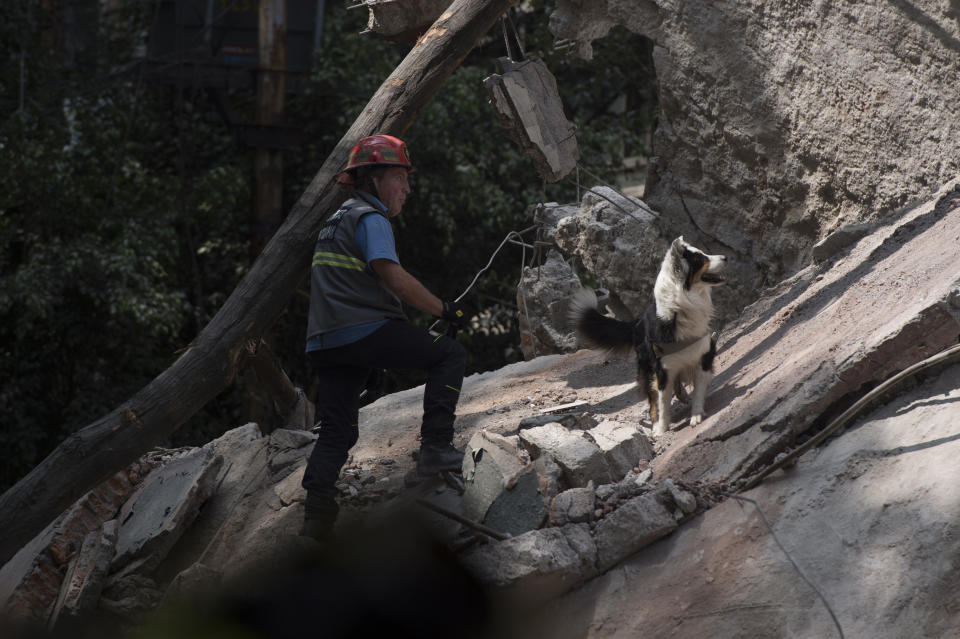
[(375, 238)]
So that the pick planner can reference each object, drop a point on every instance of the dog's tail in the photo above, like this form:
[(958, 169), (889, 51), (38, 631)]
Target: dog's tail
[(596, 330)]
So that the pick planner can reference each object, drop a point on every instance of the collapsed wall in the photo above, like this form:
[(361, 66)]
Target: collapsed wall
[(782, 122)]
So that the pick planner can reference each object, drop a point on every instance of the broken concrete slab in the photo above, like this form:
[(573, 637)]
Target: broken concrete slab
[(538, 565), (86, 575), (31, 581), (519, 508), (527, 102), (623, 445), (501, 490), (543, 298), (243, 473), (823, 337), (580, 459), (163, 507), (872, 518), (635, 524)]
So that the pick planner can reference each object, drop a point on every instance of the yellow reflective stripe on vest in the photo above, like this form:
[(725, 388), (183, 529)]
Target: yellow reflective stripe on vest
[(338, 259)]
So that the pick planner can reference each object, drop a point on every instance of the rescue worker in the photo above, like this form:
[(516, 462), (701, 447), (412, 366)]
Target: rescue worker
[(357, 325)]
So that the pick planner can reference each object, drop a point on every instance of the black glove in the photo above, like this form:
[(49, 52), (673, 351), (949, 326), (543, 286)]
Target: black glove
[(457, 313)]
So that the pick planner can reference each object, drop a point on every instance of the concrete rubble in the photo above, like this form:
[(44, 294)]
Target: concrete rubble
[(770, 140), (795, 153), (543, 299), (560, 463), (525, 97), (502, 489), (86, 575)]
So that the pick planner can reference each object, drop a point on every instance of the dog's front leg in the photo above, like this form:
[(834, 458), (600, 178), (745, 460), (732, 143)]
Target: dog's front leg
[(699, 396), (664, 401)]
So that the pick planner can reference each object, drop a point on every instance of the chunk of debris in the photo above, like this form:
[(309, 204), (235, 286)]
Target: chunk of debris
[(575, 505), (622, 445), (501, 490), (685, 501), (580, 458), (538, 565), (527, 101), (31, 581), (635, 524), (86, 575), (164, 505)]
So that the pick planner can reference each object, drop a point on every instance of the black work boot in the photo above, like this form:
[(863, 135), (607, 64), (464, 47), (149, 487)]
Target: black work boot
[(437, 458), (319, 514)]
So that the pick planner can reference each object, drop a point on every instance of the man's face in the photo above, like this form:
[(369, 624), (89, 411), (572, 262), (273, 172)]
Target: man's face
[(393, 188)]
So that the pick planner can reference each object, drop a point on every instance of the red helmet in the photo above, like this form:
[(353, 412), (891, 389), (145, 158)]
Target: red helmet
[(376, 150)]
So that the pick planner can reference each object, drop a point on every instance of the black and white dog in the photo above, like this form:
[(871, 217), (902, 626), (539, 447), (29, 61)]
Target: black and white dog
[(672, 339)]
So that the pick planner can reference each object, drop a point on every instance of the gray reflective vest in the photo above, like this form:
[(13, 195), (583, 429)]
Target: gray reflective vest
[(344, 290)]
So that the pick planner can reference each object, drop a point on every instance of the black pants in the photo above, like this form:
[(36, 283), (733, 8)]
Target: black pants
[(343, 372)]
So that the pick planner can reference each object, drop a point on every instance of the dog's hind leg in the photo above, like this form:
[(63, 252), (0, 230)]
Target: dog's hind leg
[(653, 397)]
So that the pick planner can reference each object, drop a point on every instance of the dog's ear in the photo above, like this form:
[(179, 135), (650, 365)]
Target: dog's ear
[(678, 246)]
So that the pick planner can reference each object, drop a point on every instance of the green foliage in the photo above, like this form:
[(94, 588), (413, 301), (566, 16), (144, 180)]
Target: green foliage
[(124, 206)]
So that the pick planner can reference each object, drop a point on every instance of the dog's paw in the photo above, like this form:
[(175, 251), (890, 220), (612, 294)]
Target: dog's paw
[(696, 419), (659, 428)]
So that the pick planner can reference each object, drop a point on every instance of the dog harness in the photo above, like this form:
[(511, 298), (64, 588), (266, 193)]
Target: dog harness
[(669, 348)]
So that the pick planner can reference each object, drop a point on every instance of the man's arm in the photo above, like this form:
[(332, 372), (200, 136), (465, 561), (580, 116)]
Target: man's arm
[(407, 287)]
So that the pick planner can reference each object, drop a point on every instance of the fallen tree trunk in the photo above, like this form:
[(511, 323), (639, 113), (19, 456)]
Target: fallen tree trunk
[(209, 364)]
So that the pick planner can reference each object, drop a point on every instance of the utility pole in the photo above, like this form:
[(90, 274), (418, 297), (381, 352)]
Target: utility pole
[(268, 160)]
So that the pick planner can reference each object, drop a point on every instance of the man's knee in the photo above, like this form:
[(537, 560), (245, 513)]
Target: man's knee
[(337, 436), (455, 353)]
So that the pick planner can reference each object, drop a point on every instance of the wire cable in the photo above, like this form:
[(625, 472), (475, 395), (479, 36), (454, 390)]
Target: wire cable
[(510, 235), (789, 558)]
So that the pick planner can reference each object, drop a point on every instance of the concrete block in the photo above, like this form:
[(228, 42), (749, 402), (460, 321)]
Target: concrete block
[(580, 459), (501, 491), (637, 523), (684, 500), (623, 445), (164, 505), (535, 566), (573, 506), (518, 508)]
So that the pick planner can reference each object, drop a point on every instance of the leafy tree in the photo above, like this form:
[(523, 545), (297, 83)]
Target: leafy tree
[(124, 206)]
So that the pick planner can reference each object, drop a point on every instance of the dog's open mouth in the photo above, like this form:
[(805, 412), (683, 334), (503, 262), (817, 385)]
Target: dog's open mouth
[(713, 278)]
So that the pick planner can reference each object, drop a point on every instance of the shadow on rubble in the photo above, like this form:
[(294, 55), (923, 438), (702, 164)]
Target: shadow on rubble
[(810, 307), (375, 579)]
